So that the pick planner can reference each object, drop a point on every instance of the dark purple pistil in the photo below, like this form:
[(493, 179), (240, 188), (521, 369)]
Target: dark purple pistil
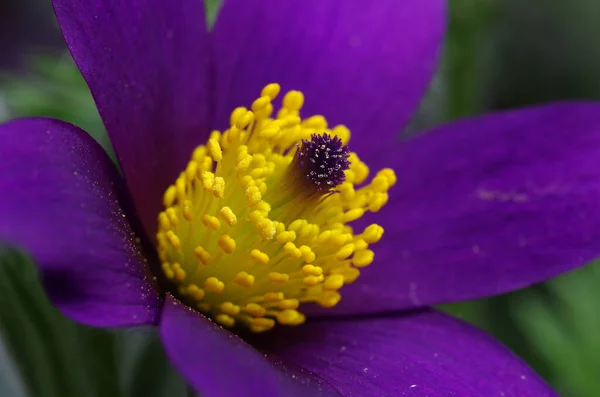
[(323, 160)]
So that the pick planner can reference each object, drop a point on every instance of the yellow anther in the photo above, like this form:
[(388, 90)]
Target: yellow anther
[(166, 268), (291, 121), (211, 222), (169, 196), (216, 135), (259, 256), (380, 184), (311, 270), (347, 191), (226, 243), (180, 188), (195, 292), (228, 215), (329, 299), (213, 284), (339, 239), (360, 244), (271, 90), (261, 324), (199, 153), (342, 132), (241, 152), (345, 251), (289, 304), (378, 201), (225, 319), (363, 258), (350, 275), (309, 231), (163, 221), (256, 216), (163, 254), (317, 122), (353, 215), (389, 174), (313, 280), (190, 171), (243, 164), (172, 215), (307, 254), (244, 279), (219, 187), (173, 239), (273, 296), (255, 309), (264, 207), (260, 103), (258, 172), (260, 160), (279, 227), (358, 168), (266, 228), (290, 317), (278, 277), (286, 237), (237, 114), (296, 225), (253, 195), (372, 233), (334, 282), (269, 133), (178, 272), (293, 100), (292, 250), (324, 237), (208, 180), (206, 164), (202, 255), (244, 120), (187, 210), (230, 308)]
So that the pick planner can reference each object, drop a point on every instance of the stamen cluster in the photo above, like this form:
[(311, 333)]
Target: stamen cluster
[(259, 221)]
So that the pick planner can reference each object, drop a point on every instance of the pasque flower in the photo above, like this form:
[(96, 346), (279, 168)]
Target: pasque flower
[(258, 217)]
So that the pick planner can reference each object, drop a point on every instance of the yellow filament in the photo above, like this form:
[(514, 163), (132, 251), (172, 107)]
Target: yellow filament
[(239, 243)]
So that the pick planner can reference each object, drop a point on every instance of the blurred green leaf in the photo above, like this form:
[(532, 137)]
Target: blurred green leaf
[(545, 50), (50, 352), (564, 326), (212, 7), (145, 369), (11, 383), (53, 356), (53, 87), (467, 53)]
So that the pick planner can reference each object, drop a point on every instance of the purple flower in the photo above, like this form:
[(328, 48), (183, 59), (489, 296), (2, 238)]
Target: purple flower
[(480, 207)]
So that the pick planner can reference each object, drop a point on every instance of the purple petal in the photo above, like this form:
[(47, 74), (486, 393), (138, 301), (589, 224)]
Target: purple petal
[(361, 65), (217, 363), (146, 64), (418, 354), (61, 202), (484, 206)]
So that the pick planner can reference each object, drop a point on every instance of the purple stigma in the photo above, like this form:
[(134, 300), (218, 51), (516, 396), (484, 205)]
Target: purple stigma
[(323, 160)]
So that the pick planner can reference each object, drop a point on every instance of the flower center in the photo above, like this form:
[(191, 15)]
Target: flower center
[(258, 223)]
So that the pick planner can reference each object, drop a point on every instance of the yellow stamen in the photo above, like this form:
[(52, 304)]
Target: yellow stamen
[(253, 228)]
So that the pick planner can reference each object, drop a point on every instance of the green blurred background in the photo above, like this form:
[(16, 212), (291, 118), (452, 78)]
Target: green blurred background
[(498, 54)]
